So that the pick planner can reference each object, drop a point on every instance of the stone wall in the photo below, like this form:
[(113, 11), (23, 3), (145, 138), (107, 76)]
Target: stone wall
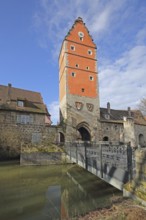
[(75, 117), (15, 133), (114, 131), (140, 156), (140, 130)]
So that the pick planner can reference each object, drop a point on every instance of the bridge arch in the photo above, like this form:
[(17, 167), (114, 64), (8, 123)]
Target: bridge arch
[(84, 131)]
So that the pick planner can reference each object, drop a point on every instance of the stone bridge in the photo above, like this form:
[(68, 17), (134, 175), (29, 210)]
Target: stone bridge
[(113, 163)]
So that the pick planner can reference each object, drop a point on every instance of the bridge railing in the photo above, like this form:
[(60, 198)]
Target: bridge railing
[(114, 163)]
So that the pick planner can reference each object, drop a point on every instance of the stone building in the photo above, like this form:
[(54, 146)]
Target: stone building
[(24, 119), (80, 113)]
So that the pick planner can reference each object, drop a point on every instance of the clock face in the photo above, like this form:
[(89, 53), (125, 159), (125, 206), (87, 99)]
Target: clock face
[(81, 34)]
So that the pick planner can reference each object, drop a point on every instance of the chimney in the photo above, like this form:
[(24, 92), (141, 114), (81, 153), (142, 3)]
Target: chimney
[(9, 93), (129, 112), (108, 108)]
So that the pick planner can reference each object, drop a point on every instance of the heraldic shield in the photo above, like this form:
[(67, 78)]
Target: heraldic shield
[(79, 105), (90, 107)]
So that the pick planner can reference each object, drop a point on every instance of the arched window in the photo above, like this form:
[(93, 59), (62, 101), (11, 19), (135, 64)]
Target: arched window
[(105, 138), (141, 140), (62, 138)]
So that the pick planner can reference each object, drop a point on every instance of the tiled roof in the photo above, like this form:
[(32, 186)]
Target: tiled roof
[(117, 115), (33, 101), (114, 114)]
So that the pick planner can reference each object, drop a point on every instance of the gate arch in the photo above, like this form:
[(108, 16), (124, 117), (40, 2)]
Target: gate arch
[(84, 132)]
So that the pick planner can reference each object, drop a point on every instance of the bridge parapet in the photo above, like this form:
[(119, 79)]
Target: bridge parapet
[(113, 163)]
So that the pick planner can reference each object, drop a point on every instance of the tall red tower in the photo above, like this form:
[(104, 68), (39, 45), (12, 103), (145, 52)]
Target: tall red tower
[(78, 84)]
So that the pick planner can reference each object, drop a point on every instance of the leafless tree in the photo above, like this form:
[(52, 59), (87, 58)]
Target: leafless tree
[(142, 106)]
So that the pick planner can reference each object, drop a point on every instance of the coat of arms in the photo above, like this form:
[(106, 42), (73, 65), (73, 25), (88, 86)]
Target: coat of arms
[(79, 105), (90, 107)]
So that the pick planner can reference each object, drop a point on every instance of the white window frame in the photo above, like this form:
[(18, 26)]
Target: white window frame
[(91, 78), (90, 52), (20, 103)]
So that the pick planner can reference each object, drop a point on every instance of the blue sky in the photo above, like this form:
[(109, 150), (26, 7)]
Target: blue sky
[(32, 31)]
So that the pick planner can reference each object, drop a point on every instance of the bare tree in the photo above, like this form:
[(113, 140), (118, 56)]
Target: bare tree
[(142, 106)]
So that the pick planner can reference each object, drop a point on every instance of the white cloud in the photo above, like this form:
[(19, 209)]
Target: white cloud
[(141, 36), (53, 19), (124, 82), (54, 111)]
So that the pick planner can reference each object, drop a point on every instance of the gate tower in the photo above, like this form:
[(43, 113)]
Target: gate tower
[(78, 85)]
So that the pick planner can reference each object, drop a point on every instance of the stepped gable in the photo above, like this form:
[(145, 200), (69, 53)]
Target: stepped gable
[(82, 26)]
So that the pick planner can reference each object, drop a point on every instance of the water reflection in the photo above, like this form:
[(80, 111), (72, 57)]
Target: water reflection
[(50, 192)]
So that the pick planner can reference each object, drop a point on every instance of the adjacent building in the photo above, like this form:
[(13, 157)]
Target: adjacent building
[(24, 119)]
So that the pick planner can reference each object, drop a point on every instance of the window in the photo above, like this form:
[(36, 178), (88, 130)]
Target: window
[(20, 103), (77, 65), (72, 47), (73, 74), (36, 138), (24, 119), (105, 138), (87, 67), (83, 90), (81, 38), (91, 78), (90, 52)]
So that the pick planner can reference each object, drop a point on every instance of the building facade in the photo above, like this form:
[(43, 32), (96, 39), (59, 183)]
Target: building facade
[(24, 119), (80, 113), (78, 80)]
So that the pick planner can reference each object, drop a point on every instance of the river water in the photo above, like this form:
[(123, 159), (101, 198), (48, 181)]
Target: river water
[(55, 192)]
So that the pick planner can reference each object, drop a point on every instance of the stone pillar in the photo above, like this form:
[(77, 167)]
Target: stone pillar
[(129, 131)]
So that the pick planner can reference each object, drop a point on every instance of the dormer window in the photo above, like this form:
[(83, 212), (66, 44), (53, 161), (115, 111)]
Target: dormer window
[(107, 116), (20, 103)]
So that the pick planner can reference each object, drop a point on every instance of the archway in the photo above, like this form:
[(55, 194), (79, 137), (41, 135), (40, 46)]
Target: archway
[(141, 140), (105, 138), (84, 133)]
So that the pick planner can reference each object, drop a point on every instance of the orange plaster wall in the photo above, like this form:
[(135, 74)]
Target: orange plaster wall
[(82, 62), (81, 50), (79, 56), (81, 80)]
